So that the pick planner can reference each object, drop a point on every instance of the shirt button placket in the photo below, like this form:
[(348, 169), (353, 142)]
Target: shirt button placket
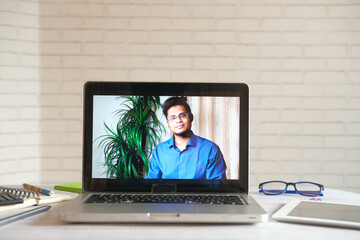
[(181, 174)]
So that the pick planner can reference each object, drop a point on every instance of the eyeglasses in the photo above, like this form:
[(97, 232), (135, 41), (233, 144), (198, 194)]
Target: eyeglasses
[(309, 189), (180, 116)]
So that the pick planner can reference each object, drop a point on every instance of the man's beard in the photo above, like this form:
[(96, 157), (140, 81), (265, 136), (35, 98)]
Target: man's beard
[(185, 134)]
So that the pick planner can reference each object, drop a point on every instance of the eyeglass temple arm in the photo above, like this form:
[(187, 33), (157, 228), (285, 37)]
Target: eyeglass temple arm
[(290, 191), (293, 191)]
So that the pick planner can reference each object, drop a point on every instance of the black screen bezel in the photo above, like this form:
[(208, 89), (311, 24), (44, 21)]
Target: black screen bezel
[(166, 89)]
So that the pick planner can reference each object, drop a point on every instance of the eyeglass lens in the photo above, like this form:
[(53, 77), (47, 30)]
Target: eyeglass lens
[(273, 188), (307, 189), (304, 188)]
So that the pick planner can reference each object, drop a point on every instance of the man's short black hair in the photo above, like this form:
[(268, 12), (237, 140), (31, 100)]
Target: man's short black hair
[(173, 101)]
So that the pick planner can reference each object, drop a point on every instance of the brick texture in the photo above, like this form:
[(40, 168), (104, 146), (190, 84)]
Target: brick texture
[(20, 87), (300, 58)]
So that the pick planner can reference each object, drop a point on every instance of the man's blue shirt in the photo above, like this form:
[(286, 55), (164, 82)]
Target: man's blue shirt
[(201, 159)]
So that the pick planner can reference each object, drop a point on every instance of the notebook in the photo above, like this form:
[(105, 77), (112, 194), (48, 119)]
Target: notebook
[(30, 198), (75, 187), (165, 152)]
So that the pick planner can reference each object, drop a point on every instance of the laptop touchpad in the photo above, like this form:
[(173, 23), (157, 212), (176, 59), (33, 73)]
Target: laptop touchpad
[(163, 208)]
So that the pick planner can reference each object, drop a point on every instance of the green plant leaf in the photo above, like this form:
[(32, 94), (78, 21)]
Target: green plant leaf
[(137, 132)]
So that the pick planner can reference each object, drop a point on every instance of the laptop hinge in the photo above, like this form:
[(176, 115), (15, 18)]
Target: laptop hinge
[(164, 188)]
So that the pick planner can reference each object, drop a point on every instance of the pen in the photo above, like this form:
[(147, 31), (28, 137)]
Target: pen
[(24, 214), (37, 189)]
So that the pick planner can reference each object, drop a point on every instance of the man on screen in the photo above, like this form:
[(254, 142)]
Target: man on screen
[(185, 155)]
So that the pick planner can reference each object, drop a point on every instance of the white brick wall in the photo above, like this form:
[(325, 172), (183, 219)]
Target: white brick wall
[(300, 58), (20, 115)]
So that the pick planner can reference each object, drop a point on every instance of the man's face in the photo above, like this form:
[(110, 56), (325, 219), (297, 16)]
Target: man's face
[(179, 125)]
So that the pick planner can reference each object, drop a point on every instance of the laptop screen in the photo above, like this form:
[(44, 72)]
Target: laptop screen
[(139, 134), (127, 131)]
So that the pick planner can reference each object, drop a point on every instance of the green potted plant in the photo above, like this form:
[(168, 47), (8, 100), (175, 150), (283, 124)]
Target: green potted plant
[(128, 148)]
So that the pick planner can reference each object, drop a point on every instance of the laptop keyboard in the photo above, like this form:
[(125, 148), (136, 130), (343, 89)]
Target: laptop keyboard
[(165, 198)]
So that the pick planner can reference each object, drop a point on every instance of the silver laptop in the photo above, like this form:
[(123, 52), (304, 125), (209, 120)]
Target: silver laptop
[(165, 152)]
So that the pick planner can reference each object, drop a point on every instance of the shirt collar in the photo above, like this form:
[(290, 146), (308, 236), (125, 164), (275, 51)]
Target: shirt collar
[(172, 142), (192, 141)]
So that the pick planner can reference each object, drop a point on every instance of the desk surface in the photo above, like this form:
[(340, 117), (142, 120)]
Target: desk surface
[(48, 226)]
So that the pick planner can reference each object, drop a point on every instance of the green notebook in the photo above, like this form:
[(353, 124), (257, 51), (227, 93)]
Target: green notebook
[(75, 187)]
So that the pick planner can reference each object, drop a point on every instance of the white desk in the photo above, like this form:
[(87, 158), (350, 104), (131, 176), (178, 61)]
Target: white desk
[(48, 226)]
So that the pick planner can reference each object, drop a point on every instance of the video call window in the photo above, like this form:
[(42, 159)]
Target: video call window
[(125, 150)]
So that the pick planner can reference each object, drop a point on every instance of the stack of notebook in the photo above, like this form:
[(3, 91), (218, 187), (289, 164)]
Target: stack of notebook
[(16, 203), (11, 198)]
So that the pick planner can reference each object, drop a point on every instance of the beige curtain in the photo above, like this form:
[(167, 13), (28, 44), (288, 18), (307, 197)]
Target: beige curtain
[(217, 119)]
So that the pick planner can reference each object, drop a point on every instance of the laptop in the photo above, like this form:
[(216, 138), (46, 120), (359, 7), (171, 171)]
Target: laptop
[(165, 152)]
